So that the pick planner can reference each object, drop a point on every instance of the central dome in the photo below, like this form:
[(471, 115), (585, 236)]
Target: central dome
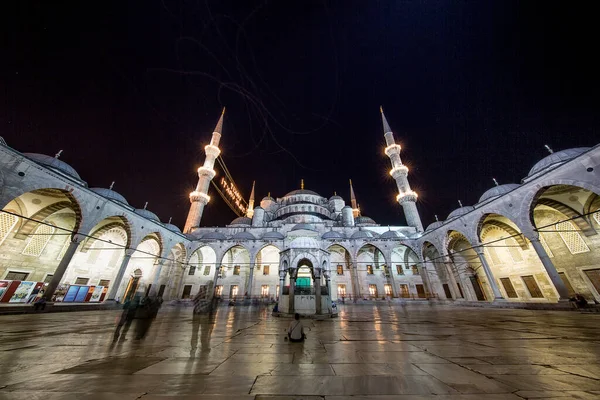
[(302, 191), (304, 243)]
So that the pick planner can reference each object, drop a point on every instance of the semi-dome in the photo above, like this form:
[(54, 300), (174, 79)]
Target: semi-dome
[(147, 214), (364, 220), (241, 221), (214, 236), (53, 163), (460, 211), (110, 194), (172, 228), (557, 157), (301, 191), (434, 225), (307, 227), (304, 243), (392, 235), (333, 235), (243, 236), (363, 235), (273, 235), (498, 191)]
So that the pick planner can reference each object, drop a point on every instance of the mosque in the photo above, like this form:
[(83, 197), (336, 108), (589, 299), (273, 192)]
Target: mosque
[(533, 241)]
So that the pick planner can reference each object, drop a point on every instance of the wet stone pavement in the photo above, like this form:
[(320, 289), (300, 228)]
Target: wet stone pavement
[(370, 352)]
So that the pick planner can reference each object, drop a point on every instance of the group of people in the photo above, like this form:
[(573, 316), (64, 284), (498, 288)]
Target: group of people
[(144, 309)]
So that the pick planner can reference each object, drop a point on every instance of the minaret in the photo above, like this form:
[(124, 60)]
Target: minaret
[(353, 203), (250, 209), (406, 197), (199, 197)]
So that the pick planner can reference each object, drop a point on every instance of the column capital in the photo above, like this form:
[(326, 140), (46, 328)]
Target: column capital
[(282, 274), (129, 252), (77, 238)]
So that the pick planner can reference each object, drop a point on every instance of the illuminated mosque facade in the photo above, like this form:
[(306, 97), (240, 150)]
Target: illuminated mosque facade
[(534, 241)]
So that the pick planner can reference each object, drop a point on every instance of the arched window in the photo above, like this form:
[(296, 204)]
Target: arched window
[(37, 243), (7, 224), (514, 250), (573, 240)]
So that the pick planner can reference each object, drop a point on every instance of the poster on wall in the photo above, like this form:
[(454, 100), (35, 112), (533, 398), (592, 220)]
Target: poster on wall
[(71, 293), (97, 293), (3, 288), (81, 294), (22, 293)]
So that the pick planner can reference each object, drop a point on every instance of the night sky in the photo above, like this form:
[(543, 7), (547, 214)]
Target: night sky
[(131, 91)]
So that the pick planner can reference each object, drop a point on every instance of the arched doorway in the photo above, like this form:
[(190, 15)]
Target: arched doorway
[(567, 220), (304, 277), (468, 269)]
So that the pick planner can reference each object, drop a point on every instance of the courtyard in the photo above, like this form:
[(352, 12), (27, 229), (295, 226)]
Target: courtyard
[(413, 351)]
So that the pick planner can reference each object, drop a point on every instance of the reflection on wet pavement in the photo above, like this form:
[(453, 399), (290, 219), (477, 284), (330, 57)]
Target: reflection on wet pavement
[(370, 352)]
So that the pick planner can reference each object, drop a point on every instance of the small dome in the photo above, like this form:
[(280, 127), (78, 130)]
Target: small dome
[(333, 235), (268, 198), (273, 235), (307, 227), (301, 191), (460, 211), (498, 191), (53, 163), (241, 221), (214, 236), (304, 243), (392, 235), (363, 235), (335, 197), (363, 220), (110, 194), (434, 225), (147, 214), (172, 228), (243, 236), (558, 157)]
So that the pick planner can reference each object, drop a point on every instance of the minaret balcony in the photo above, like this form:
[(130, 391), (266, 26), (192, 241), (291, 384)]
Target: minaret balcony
[(199, 196), (408, 196), (401, 170), (205, 171), (212, 151), (392, 149)]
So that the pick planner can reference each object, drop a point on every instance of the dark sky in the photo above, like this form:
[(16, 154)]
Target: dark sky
[(131, 92)]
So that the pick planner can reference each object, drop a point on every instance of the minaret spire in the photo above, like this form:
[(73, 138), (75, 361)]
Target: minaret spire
[(353, 203), (406, 197), (199, 197), (250, 210)]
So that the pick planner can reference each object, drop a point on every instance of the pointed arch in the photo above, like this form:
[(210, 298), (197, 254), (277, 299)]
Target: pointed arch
[(115, 222), (583, 224)]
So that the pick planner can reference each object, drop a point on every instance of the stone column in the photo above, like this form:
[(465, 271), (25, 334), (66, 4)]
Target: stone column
[(317, 282), (114, 289), (453, 285), (157, 272), (281, 283), (354, 278), (250, 281), (62, 266), (489, 274), (292, 296), (550, 270), (327, 276), (425, 278), (215, 276), (392, 280)]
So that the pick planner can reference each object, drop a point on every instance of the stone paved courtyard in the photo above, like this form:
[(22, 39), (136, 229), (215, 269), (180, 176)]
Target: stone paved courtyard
[(415, 351)]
